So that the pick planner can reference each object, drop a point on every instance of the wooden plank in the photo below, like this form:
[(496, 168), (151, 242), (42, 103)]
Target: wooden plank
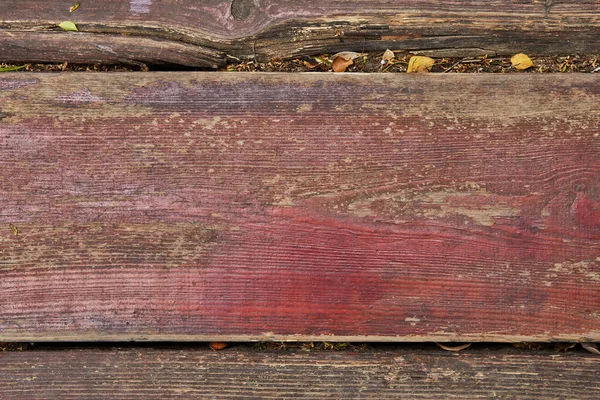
[(208, 33), (231, 374), (203, 206)]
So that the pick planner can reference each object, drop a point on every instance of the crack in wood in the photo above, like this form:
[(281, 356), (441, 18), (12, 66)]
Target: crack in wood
[(292, 30)]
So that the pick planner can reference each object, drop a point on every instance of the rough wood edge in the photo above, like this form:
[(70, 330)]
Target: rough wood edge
[(244, 372), (459, 30), (272, 337)]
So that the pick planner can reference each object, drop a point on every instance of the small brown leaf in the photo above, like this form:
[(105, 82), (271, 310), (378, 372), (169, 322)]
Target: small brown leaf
[(388, 55), (310, 65), (340, 64), (454, 348), (217, 345), (521, 61), (591, 347), (420, 64)]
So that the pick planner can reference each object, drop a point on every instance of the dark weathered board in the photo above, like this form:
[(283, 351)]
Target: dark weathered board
[(191, 206), (234, 373), (211, 32)]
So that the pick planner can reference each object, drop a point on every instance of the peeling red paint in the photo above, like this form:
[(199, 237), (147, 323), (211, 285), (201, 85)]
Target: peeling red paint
[(188, 214)]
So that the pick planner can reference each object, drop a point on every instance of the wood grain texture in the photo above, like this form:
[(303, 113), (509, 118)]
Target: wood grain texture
[(221, 206), (208, 33), (236, 374)]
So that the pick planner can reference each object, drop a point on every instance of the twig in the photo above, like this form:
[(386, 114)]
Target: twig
[(452, 66)]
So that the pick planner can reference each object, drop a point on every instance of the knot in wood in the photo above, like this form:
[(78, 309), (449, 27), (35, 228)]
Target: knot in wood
[(242, 9)]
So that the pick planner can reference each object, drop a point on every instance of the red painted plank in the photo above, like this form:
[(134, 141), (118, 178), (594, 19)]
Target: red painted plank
[(364, 207)]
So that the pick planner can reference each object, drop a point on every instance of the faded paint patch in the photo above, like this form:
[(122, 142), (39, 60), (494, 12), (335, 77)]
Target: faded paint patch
[(483, 214), (106, 49), (361, 210), (81, 96), (585, 268), (302, 108), (481, 207), (10, 84), (139, 6), (208, 123)]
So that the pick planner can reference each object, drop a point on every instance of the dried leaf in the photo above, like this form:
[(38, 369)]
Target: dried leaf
[(420, 64), (340, 64), (217, 345), (388, 55), (521, 61), (310, 65), (14, 229), (74, 7), (591, 347), (15, 68), (346, 55), (454, 348), (68, 26)]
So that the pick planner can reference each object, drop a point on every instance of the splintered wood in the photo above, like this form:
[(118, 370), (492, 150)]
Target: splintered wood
[(215, 206), (211, 33)]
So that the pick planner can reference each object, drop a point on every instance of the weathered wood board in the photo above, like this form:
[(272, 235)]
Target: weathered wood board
[(208, 33), (241, 374), (202, 206)]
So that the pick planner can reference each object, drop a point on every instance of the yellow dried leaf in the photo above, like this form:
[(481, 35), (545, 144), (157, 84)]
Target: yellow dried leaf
[(420, 64), (340, 64), (14, 229), (74, 7), (521, 61), (68, 26)]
